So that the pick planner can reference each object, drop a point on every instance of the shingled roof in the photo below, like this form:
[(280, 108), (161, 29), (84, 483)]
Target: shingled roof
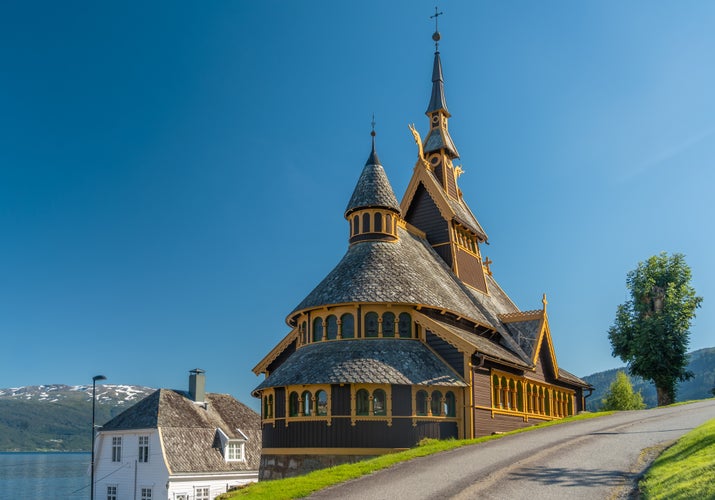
[(367, 361), (189, 430), (372, 190)]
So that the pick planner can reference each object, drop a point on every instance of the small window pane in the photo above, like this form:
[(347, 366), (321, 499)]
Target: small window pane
[(405, 326), (388, 324), (378, 222), (307, 403), (293, 404), (362, 402), (356, 225), (317, 329), (450, 407), (321, 403), (379, 402), (436, 403), (371, 324), (421, 403), (366, 223), (347, 325), (331, 325)]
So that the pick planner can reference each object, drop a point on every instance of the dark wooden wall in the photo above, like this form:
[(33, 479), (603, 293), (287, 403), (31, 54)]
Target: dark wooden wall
[(449, 353)]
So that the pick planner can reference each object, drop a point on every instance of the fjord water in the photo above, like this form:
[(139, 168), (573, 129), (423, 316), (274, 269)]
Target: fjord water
[(44, 475)]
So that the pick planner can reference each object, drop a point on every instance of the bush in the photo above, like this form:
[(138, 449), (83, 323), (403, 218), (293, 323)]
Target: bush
[(620, 395)]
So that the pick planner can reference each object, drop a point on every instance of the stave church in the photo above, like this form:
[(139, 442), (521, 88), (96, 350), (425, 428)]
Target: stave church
[(409, 336)]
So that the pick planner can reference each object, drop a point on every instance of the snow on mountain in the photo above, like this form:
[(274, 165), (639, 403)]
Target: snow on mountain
[(106, 393)]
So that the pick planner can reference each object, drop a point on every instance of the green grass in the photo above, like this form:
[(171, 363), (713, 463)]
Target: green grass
[(686, 470), (302, 486)]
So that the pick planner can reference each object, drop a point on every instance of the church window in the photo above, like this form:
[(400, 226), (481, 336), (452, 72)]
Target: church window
[(366, 223), (520, 396), (450, 406), (293, 404), (362, 402), (436, 403), (378, 222), (388, 324), (331, 326), (421, 403), (268, 406), (321, 403), (496, 387), (317, 329), (405, 326), (356, 225), (304, 332), (371, 324), (379, 402), (347, 326), (307, 404), (388, 224)]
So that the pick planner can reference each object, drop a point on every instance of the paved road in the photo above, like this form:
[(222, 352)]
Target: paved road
[(590, 459)]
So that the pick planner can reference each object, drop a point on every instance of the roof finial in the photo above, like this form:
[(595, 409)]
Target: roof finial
[(436, 36), (372, 133)]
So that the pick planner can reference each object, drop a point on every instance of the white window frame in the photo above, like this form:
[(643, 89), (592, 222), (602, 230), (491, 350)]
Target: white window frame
[(116, 448), (143, 449), (112, 492), (202, 493), (235, 445), (146, 493)]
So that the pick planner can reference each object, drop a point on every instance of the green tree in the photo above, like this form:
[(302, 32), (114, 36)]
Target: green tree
[(620, 395), (651, 330)]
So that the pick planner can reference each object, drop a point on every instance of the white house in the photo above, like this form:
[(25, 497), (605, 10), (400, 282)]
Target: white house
[(178, 445)]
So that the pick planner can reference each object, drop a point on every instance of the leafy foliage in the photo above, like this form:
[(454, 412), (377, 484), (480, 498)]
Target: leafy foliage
[(701, 364), (651, 330), (621, 396)]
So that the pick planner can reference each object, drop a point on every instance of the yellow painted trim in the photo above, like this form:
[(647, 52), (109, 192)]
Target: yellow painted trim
[(262, 366), (436, 328), (545, 335), (371, 388), (330, 451), (313, 389)]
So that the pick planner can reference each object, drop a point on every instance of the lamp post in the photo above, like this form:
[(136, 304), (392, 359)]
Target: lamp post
[(94, 384)]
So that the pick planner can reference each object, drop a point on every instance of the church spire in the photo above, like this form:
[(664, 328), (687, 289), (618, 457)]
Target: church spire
[(437, 101)]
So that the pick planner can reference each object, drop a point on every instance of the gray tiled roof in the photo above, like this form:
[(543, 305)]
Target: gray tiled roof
[(407, 271), (437, 100), (189, 430), (373, 190), (526, 334), (376, 361)]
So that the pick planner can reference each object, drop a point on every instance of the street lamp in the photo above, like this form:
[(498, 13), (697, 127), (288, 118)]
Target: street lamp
[(91, 486)]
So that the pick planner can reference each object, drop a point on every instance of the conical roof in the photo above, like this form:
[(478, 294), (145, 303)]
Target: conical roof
[(373, 190), (437, 100)]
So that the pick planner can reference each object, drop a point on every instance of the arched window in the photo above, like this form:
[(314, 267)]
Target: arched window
[(520, 396), (547, 403), (293, 404), (388, 324), (317, 329), (307, 403), (366, 223), (496, 396), (450, 405), (379, 402), (505, 393), (362, 402), (436, 403), (371, 324), (388, 224), (347, 326), (331, 325), (378, 222), (265, 407), (569, 406), (421, 403), (405, 326), (356, 225), (304, 332), (321, 403)]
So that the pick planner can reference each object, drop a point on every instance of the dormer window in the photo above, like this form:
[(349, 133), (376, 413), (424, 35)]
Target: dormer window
[(234, 449)]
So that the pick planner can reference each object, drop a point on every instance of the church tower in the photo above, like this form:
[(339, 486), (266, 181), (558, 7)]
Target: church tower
[(433, 201)]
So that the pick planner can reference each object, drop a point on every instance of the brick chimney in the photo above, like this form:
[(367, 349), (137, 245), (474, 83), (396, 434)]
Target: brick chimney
[(197, 385)]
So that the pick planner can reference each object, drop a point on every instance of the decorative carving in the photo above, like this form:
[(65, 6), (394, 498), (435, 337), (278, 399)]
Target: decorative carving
[(458, 171), (418, 140), (488, 262)]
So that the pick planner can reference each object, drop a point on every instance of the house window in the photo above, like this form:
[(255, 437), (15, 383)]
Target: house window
[(379, 400), (112, 492), (321, 401), (146, 494), (405, 326), (116, 449), (235, 451), (371, 324), (436, 404), (317, 330), (347, 326), (421, 403), (366, 223), (362, 402), (388, 324), (450, 407), (143, 449), (293, 404), (202, 493), (331, 325), (307, 403), (378, 222), (181, 496)]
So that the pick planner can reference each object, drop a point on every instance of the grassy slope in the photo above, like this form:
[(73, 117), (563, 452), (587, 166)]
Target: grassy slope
[(297, 487), (686, 470)]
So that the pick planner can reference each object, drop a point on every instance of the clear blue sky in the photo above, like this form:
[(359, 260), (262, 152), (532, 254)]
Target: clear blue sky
[(173, 174)]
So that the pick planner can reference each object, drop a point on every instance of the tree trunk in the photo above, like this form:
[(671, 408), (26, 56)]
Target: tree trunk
[(664, 396)]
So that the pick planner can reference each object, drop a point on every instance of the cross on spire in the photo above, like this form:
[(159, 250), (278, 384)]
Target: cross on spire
[(436, 36)]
